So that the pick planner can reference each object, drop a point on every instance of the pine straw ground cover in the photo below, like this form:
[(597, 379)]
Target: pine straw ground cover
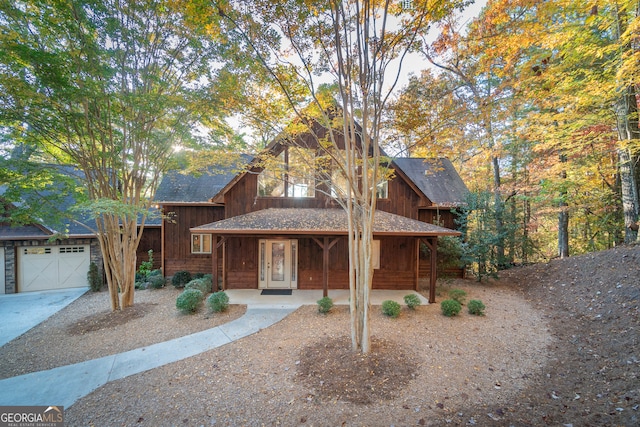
[(558, 346)]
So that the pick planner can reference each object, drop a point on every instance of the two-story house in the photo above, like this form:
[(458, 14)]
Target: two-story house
[(256, 228)]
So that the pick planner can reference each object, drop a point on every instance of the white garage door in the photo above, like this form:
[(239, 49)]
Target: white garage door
[(42, 268), (2, 282)]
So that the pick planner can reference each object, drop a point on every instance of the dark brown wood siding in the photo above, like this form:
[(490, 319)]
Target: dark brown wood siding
[(397, 264), (151, 240), (442, 217), (242, 262), (177, 254), (403, 200)]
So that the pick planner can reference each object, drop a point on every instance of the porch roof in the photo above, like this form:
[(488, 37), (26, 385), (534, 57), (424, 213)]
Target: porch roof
[(295, 221)]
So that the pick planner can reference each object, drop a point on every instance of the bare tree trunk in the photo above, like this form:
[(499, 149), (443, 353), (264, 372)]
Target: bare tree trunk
[(629, 188), (563, 217), (563, 231), (499, 208), (119, 245), (628, 133), (629, 137)]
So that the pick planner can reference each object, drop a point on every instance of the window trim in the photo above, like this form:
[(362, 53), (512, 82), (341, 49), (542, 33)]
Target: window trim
[(203, 237), (383, 186)]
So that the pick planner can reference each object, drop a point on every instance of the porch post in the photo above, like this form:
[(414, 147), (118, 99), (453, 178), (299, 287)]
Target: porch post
[(214, 261), (416, 279), (224, 263), (433, 274), (325, 267), (432, 244), (326, 246)]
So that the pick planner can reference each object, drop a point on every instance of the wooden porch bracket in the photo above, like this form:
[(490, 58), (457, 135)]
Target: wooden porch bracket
[(432, 244), (326, 244)]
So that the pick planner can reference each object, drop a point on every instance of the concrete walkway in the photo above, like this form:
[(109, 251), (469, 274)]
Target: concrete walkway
[(253, 297), (65, 385)]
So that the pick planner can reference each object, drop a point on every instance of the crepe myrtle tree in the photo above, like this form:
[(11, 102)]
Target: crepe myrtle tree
[(349, 46), (109, 87)]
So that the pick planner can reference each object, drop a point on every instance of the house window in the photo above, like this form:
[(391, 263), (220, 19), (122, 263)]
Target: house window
[(201, 243), (291, 174), (271, 184), (339, 186), (383, 190)]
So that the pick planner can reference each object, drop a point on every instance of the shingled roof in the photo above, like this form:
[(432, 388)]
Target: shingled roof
[(437, 179), (284, 221), (73, 226), (179, 187)]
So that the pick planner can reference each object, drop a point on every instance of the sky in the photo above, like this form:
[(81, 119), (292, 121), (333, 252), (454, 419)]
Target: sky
[(413, 64)]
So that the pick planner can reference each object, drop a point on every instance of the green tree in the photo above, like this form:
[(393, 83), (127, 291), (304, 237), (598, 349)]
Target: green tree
[(481, 239), (583, 90), (350, 45), (110, 87)]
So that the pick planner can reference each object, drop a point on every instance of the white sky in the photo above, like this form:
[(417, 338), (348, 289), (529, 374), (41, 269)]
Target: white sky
[(413, 64)]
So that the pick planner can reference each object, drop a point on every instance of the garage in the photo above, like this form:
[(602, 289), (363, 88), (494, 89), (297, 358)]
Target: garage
[(43, 268)]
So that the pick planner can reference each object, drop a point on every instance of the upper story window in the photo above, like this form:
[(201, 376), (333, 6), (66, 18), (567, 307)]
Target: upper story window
[(383, 190), (291, 174), (339, 186)]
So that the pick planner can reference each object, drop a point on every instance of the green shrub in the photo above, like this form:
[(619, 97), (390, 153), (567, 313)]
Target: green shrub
[(208, 279), (145, 266), (457, 295), (156, 272), (412, 301), (324, 305), (200, 284), (94, 278), (450, 307), (476, 307), (198, 275), (180, 279), (218, 301), (189, 300), (156, 282), (391, 308)]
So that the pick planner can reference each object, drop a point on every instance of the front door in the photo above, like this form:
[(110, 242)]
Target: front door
[(278, 264)]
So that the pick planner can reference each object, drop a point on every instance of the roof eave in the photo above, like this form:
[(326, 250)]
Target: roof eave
[(275, 232)]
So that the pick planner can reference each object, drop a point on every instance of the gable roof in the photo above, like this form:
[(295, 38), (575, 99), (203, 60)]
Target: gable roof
[(72, 226), (76, 225), (314, 221), (179, 187), (437, 179)]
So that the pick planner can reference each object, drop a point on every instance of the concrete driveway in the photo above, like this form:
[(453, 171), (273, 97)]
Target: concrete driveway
[(21, 312)]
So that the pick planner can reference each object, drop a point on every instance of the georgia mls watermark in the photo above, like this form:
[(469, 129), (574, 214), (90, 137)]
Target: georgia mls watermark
[(31, 416)]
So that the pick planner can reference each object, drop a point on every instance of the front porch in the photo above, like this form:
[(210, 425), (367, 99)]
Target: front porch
[(300, 297), (318, 237)]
